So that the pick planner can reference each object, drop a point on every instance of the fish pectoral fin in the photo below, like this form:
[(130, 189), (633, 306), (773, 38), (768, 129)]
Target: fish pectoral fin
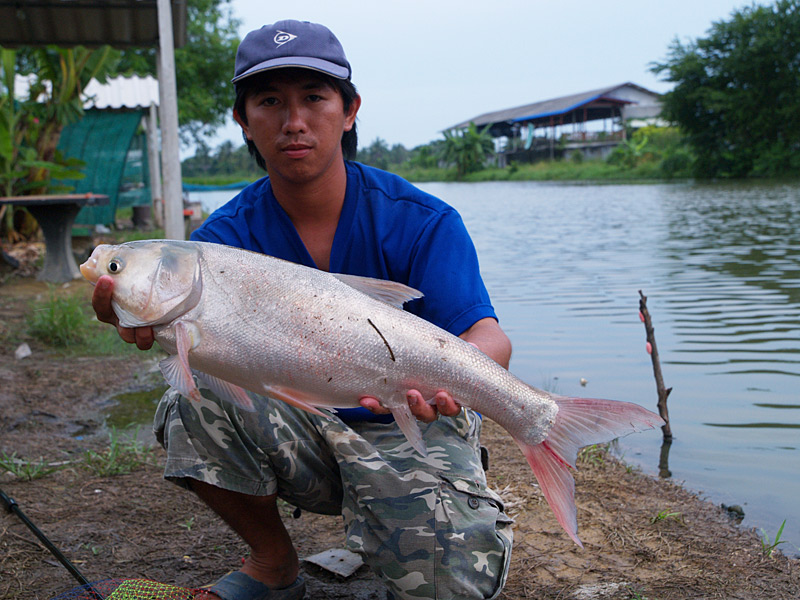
[(389, 292), (176, 369), (296, 398), (179, 377), (225, 390), (408, 424)]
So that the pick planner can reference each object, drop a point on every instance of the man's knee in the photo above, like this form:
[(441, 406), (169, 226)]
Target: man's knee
[(460, 549)]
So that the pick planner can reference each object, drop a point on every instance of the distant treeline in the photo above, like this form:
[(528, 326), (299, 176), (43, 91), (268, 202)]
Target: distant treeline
[(228, 163), (648, 153), (735, 106)]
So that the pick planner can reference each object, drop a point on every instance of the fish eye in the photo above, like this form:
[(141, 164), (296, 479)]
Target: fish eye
[(115, 265)]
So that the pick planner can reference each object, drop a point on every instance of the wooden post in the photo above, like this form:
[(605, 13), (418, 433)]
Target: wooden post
[(663, 393), (154, 165), (170, 145)]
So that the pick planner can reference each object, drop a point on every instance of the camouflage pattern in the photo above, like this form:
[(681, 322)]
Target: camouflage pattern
[(429, 527)]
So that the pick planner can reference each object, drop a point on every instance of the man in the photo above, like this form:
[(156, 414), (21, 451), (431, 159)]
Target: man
[(429, 527)]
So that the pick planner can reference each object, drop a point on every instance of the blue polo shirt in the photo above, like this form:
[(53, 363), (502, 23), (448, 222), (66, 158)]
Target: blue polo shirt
[(388, 229)]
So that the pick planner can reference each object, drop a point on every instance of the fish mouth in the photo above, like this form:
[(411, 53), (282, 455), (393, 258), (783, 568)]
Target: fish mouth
[(89, 269)]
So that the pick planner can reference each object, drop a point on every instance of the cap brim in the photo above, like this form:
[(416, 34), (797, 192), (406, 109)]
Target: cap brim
[(302, 62)]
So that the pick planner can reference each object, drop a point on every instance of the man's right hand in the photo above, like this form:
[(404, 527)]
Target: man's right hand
[(143, 337)]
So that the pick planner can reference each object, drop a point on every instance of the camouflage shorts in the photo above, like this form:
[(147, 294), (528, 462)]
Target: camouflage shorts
[(429, 527)]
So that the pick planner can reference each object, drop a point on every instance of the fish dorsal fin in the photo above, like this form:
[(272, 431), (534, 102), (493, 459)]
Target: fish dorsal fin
[(389, 292)]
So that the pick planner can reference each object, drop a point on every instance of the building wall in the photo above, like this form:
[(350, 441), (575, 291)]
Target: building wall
[(646, 105)]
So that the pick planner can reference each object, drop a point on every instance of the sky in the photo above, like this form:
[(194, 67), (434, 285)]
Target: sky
[(424, 65)]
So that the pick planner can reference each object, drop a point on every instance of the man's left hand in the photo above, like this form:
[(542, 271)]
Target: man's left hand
[(442, 404)]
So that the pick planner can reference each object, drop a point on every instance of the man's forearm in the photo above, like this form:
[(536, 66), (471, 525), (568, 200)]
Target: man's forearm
[(490, 339)]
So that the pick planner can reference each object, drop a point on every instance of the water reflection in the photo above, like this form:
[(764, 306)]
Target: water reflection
[(738, 295), (720, 265)]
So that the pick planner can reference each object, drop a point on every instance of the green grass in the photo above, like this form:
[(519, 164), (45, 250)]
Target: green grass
[(593, 455), (121, 456), (767, 545), (28, 470), (547, 170), (665, 515), (65, 322), (59, 321), (223, 179)]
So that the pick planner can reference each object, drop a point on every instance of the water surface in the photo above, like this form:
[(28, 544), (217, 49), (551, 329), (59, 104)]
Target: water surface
[(720, 265)]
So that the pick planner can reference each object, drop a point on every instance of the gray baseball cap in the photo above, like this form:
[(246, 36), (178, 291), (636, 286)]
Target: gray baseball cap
[(291, 44)]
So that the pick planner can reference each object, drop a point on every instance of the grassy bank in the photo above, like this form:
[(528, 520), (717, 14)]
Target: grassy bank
[(558, 170), (589, 170)]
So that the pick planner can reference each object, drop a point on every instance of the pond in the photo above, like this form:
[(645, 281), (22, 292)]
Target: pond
[(720, 266)]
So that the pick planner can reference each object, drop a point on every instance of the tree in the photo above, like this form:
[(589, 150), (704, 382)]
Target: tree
[(376, 154), (31, 126), (737, 93), (467, 149), (204, 67)]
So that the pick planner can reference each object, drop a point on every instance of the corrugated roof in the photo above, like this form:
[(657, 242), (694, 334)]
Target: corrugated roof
[(547, 108), (122, 92), (120, 23), (117, 93)]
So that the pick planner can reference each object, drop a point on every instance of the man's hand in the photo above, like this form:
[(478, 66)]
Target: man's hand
[(143, 337), (442, 404)]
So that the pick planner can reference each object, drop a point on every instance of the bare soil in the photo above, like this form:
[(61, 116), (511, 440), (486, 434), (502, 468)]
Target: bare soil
[(54, 407)]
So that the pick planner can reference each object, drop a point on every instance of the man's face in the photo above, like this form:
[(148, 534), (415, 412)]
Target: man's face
[(296, 121)]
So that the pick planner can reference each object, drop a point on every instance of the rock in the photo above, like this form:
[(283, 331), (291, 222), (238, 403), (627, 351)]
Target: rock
[(22, 351), (734, 511)]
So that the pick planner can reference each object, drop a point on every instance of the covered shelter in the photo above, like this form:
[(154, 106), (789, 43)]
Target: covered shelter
[(118, 23), (592, 120), (117, 141)]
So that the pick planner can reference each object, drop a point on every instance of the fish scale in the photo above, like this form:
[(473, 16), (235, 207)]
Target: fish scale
[(240, 321)]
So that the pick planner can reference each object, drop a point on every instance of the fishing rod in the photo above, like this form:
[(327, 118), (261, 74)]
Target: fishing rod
[(12, 507)]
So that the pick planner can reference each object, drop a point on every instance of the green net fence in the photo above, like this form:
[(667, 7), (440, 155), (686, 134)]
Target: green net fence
[(128, 589), (114, 149)]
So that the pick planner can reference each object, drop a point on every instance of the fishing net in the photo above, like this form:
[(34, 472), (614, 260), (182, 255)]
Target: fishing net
[(128, 589)]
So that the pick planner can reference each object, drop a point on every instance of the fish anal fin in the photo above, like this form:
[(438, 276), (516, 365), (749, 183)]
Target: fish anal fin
[(225, 390), (296, 398), (389, 292), (408, 425)]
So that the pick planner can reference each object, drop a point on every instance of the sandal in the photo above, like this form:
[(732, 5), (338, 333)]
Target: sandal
[(240, 586)]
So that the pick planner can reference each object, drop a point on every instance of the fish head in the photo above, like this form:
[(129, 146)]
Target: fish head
[(155, 281)]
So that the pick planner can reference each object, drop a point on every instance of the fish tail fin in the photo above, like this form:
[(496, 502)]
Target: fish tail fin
[(580, 422)]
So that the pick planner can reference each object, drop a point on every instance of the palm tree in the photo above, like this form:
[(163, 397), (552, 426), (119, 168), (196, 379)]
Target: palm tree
[(467, 148)]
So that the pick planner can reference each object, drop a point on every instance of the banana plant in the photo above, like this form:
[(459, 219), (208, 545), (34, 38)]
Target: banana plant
[(31, 126), (467, 149)]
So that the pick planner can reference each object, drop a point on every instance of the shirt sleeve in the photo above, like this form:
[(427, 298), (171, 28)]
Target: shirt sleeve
[(219, 231), (444, 267)]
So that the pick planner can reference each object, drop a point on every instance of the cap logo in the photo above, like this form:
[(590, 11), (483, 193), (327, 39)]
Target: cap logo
[(282, 37)]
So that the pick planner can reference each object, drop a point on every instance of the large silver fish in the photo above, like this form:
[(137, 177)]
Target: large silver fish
[(239, 321)]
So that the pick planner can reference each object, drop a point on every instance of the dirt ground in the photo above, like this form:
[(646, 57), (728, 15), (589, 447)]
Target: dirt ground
[(54, 408)]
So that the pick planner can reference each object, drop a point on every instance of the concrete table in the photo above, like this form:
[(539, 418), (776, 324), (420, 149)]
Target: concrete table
[(56, 215)]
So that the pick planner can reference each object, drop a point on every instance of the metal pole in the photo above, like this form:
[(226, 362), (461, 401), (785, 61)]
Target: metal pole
[(170, 145)]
